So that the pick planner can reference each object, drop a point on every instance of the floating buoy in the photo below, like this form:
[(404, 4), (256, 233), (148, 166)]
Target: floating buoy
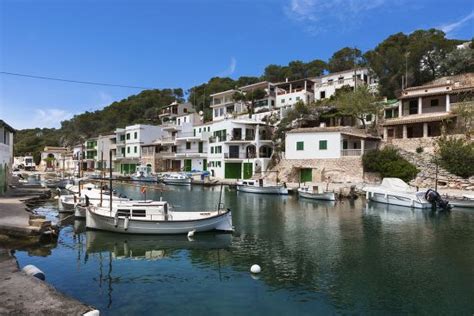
[(34, 271), (255, 269), (94, 312), (191, 233)]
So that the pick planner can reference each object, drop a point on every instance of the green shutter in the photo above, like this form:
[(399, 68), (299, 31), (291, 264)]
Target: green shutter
[(248, 170), (187, 165), (306, 175), (323, 144), (204, 164), (233, 170), (299, 145), (200, 147)]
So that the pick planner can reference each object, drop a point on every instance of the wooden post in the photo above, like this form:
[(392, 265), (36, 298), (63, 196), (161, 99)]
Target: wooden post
[(110, 184)]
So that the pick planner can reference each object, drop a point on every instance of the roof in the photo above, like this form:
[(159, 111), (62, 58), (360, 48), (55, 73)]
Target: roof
[(55, 149), (453, 84), (344, 130), (419, 118), (223, 92), (8, 127)]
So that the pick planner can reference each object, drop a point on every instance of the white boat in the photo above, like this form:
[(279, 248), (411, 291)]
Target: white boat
[(176, 179), (155, 217), (257, 186), (467, 201), (143, 173), (316, 193), (395, 191)]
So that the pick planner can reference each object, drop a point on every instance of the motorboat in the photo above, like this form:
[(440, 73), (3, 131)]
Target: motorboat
[(258, 186), (143, 174), (155, 217), (316, 193), (467, 201), (176, 179), (395, 191)]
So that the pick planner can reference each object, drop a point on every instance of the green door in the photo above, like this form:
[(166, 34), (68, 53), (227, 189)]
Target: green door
[(200, 147), (187, 164), (233, 170), (306, 175), (204, 164), (248, 170)]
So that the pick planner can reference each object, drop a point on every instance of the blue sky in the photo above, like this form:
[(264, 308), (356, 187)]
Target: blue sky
[(182, 43)]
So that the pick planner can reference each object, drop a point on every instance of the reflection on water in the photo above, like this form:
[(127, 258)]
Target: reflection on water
[(316, 257)]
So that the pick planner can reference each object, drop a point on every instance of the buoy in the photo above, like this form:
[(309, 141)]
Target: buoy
[(34, 271), (255, 269), (191, 233), (94, 312)]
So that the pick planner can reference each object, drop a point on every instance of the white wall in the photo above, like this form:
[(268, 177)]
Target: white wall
[(311, 145), (145, 135), (292, 98)]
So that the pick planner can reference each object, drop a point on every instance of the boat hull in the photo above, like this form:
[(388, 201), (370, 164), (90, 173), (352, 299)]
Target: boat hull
[(398, 200), (221, 222), (80, 211), (278, 190), (145, 179), (462, 203), (177, 181), (326, 196)]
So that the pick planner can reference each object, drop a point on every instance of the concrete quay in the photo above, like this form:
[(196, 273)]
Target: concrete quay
[(22, 294)]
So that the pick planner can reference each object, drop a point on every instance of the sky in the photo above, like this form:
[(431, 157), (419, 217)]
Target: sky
[(182, 43)]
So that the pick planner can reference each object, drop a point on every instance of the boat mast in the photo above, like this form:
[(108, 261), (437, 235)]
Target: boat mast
[(110, 182)]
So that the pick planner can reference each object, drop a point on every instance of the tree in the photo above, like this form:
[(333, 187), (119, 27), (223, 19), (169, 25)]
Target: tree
[(456, 156), (458, 61), (249, 98), (389, 163), (358, 103), (345, 59)]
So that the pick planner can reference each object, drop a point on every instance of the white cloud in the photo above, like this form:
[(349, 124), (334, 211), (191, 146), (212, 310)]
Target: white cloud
[(230, 69), (448, 28), (318, 15), (50, 117)]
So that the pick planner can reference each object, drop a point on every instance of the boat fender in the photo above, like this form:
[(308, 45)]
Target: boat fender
[(94, 312), (116, 219), (255, 269), (34, 271), (125, 223)]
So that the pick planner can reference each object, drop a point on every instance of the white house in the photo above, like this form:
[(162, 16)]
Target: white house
[(129, 141), (54, 158), (170, 112), (290, 92), (6, 154), (327, 85), (327, 143), (239, 148)]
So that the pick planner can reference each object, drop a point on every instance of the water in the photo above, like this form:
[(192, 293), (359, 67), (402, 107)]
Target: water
[(316, 258)]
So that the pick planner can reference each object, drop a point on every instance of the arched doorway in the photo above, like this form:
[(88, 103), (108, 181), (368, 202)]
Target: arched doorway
[(265, 151), (251, 152)]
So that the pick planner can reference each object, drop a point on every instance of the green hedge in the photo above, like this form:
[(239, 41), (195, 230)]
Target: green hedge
[(389, 163), (456, 156)]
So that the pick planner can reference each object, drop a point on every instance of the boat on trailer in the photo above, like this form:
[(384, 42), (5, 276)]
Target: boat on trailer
[(316, 193), (258, 186), (176, 179), (155, 217), (395, 191)]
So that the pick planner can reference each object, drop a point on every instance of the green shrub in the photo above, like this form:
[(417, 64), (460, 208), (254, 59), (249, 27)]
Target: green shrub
[(389, 163), (456, 156), (419, 150)]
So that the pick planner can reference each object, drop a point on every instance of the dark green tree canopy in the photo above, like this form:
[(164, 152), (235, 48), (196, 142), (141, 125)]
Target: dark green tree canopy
[(345, 59)]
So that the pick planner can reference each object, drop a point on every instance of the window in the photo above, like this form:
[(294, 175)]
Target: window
[(282, 100), (273, 102), (122, 137), (322, 94), (413, 107), (128, 150), (216, 112), (434, 102), (185, 110), (340, 80), (388, 113), (184, 119), (368, 118), (208, 128), (299, 145), (323, 144), (221, 111), (219, 164), (188, 145), (135, 149), (179, 121), (212, 150), (298, 98), (330, 81), (135, 135), (128, 135), (199, 130)]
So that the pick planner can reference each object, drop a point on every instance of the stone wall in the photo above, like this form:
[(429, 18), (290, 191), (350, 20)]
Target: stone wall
[(343, 170)]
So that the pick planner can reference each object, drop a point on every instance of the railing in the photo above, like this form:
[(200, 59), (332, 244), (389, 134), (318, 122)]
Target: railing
[(185, 135), (351, 152)]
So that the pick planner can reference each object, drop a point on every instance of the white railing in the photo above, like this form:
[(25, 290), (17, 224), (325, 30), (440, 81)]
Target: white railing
[(351, 152)]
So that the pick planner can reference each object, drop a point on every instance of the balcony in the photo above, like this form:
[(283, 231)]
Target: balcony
[(351, 152)]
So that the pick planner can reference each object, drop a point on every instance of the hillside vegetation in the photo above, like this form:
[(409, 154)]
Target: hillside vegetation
[(424, 54)]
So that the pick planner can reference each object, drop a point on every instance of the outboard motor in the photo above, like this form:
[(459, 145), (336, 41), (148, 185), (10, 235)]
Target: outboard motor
[(435, 199)]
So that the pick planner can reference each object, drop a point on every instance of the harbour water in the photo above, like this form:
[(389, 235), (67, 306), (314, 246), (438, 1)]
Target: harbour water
[(316, 258)]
